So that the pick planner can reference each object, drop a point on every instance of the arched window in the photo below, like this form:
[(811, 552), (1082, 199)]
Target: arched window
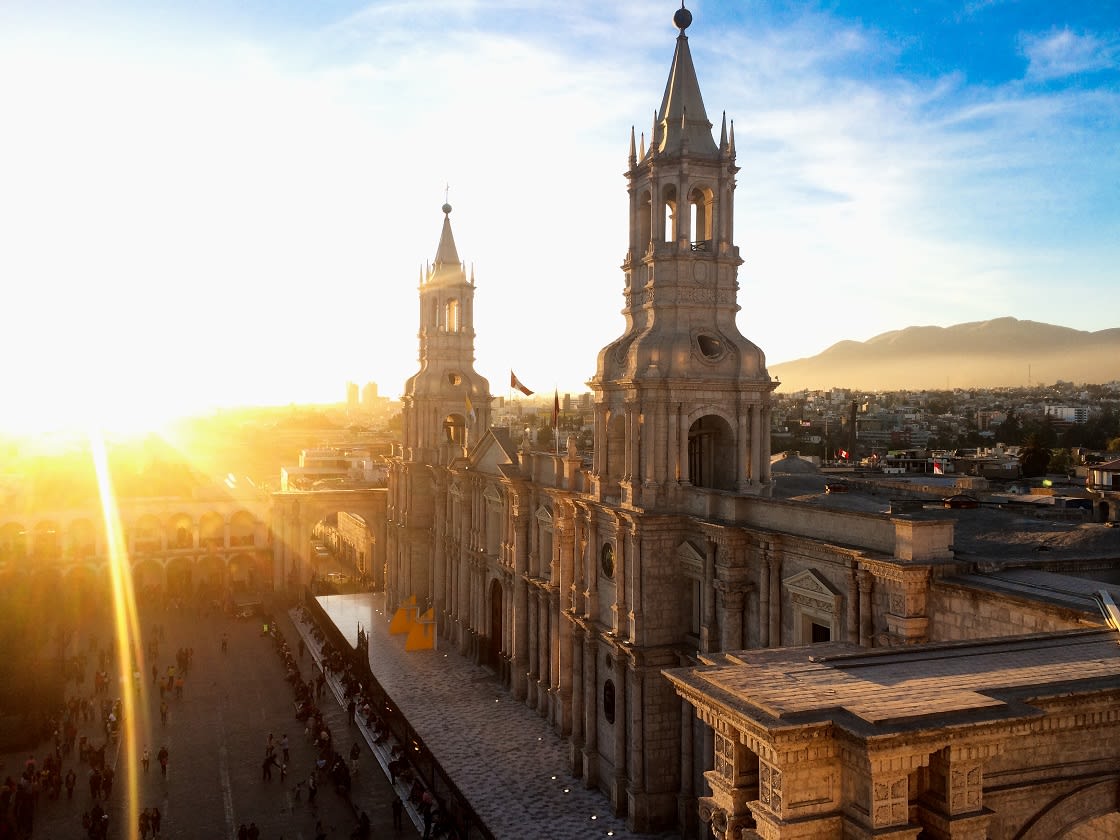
[(455, 429), (451, 321), (645, 222), (700, 206), (711, 454), (669, 214), (608, 701)]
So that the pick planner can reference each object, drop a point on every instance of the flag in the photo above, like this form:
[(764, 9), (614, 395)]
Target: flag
[(842, 453), (938, 469), (555, 408), (470, 407), (514, 382)]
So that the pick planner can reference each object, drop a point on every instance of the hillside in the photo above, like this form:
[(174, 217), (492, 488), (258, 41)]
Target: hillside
[(981, 354)]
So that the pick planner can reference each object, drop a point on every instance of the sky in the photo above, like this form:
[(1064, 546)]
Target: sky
[(219, 203)]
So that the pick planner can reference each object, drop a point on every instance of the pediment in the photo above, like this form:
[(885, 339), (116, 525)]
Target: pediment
[(811, 585), (490, 456), (491, 495), (689, 559), (544, 516)]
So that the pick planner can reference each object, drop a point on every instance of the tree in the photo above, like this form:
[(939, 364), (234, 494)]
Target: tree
[(1034, 458)]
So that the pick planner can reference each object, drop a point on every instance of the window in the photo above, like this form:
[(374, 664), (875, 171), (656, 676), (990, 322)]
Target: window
[(608, 701), (606, 560)]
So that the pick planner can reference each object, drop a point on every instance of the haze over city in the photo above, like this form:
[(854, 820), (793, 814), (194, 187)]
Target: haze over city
[(213, 204)]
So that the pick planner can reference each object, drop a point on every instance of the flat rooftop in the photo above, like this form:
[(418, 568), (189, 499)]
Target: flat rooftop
[(907, 689)]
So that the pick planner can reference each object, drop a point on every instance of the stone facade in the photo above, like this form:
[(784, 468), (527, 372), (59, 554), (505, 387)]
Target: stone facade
[(580, 579)]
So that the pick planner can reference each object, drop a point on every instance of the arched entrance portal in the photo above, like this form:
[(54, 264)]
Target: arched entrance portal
[(494, 649), (711, 453)]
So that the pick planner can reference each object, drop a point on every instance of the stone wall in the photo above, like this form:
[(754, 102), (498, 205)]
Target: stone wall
[(958, 612)]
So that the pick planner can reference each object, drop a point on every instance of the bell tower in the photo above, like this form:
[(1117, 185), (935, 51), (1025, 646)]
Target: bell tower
[(446, 404), (682, 398)]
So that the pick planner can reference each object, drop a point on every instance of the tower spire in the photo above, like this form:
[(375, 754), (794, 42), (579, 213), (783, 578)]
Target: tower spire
[(446, 254), (682, 111)]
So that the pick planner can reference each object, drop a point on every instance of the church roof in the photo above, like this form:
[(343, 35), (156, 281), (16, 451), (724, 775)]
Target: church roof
[(682, 113), (446, 254)]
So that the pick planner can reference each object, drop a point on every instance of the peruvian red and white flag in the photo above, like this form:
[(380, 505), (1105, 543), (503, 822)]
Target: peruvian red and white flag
[(514, 382), (842, 453)]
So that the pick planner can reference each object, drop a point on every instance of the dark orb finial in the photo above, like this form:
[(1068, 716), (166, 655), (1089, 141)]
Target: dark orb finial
[(682, 18), (446, 209)]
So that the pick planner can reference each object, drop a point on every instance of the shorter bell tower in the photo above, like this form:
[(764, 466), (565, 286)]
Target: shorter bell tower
[(446, 404)]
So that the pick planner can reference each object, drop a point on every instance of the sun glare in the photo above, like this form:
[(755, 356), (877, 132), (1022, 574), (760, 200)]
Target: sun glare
[(126, 624)]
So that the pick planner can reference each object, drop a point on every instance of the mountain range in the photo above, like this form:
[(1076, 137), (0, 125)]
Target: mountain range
[(1004, 352)]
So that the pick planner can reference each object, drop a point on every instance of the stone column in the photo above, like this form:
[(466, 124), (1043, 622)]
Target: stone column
[(618, 791), (775, 601), (564, 616), (686, 800), (708, 628), (592, 593), (545, 672), (618, 609), (742, 452), (520, 663), (953, 807), (575, 742), (682, 452), (851, 630), (533, 675), (757, 433), (764, 600), (731, 624), (866, 618), (590, 712)]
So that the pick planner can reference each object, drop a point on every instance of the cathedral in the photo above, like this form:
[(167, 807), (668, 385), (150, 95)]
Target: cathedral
[(604, 587)]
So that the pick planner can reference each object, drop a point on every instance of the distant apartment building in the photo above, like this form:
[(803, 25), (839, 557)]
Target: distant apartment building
[(1068, 413), (351, 396)]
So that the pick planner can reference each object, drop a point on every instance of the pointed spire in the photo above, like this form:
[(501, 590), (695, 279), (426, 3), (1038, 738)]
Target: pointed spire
[(682, 107), (723, 133), (446, 253), (633, 149), (731, 140), (472, 273), (642, 149)]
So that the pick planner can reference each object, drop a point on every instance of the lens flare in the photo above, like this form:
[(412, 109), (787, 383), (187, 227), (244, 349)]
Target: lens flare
[(126, 632)]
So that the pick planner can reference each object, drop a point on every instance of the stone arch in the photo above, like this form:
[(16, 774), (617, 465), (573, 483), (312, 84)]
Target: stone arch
[(645, 221), (147, 576), (711, 453), (179, 573), (495, 629), (670, 218), (242, 529), (81, 539), (243, 573), (701, 217), (180, 532), (1078, 806), (147, 534), (13, 543), (46, 541), (211, 531), (455, 429)]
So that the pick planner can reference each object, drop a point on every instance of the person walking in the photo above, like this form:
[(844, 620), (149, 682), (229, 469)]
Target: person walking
[(284, 748), (157, 818), (312, 789), (266, 767), (146, 759), (355, 752), (398, 813), (162, 756)]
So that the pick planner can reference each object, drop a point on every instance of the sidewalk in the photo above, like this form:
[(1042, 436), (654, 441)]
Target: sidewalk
[(502, 755)]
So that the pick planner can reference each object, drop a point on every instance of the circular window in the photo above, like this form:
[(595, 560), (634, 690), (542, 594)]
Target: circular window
[(710, 346), (606, 560), (608, 701)]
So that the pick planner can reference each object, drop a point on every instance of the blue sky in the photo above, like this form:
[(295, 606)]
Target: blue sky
[(218, 202)]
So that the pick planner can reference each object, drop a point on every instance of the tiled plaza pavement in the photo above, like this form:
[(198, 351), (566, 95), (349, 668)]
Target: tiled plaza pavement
[(216, 737), (502, 755)]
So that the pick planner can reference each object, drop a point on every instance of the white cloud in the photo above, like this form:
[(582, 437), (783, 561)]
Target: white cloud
[(1062, 52)]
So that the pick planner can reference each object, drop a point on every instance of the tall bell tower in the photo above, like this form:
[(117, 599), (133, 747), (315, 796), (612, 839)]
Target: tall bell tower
[(682, 398)]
